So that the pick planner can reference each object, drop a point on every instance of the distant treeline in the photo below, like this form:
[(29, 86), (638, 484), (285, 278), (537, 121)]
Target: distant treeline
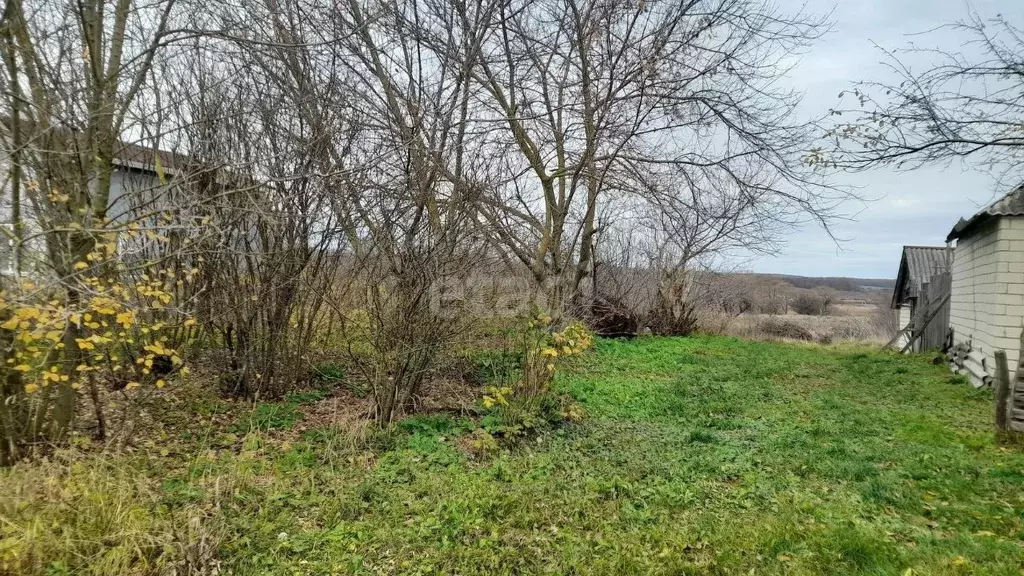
[(841, 284)]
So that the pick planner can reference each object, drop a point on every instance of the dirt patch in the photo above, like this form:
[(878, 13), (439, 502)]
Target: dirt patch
[(342, 410), (448, 395)]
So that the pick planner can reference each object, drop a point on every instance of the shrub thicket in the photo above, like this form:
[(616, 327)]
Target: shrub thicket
[(813, 302)]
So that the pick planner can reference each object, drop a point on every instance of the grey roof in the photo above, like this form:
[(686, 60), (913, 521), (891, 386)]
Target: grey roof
[(917, 266), (1010, 205)]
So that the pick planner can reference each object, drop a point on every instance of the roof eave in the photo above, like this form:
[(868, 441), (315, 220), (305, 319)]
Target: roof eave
[(962, 226), (901, 279)]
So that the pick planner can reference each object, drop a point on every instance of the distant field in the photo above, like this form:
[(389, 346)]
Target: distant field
[(842, 284), (852, 319), (697, 456)]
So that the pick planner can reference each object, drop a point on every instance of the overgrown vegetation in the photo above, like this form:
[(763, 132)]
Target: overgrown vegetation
[(298, 199), (703, 455), (315, 182), (817, 302)]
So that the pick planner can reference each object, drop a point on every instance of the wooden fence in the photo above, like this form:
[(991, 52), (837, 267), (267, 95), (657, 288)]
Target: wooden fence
[(1009, 393), (929, 325)]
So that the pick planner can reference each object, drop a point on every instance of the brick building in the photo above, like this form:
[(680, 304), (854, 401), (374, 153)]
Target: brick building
[(987, 298)]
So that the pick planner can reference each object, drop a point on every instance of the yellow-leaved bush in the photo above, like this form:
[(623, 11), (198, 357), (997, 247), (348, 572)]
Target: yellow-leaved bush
[(529, 404), (101, 325), (547, 349), (543, 350)]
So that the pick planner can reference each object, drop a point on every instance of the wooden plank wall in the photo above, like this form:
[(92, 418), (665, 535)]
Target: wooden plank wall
[(934, 293)]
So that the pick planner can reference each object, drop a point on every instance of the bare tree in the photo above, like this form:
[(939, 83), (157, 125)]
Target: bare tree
[(595, 97), (379, 118), (970, 104)]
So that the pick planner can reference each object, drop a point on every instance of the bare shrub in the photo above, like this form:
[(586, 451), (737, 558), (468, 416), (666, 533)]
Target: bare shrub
[(273, 231), (773, 327), (770, 297), (816, 302), (611, 317), (400, 335), (676, 313), (772, 306), (806, 303), (673, 319)]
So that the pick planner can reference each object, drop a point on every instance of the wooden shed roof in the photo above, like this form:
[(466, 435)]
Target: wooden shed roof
[(917, 265)]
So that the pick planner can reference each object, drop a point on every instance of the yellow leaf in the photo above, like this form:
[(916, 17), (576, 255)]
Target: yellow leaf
[(160, 383), (131, 385), (80, 266), (30, 388), (159, 169), (22, 367)]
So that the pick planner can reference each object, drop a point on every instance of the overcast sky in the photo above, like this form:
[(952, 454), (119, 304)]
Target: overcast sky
[(918, 207)]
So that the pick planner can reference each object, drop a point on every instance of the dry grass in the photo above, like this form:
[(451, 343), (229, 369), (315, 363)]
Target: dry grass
[(858, 309), (93, 515), (858, 328)]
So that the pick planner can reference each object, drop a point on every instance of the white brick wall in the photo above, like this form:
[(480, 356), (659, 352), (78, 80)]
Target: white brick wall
[(904, 319), (987, 301)]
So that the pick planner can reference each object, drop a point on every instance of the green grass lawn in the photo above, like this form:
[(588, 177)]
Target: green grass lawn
[(697, 456)]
